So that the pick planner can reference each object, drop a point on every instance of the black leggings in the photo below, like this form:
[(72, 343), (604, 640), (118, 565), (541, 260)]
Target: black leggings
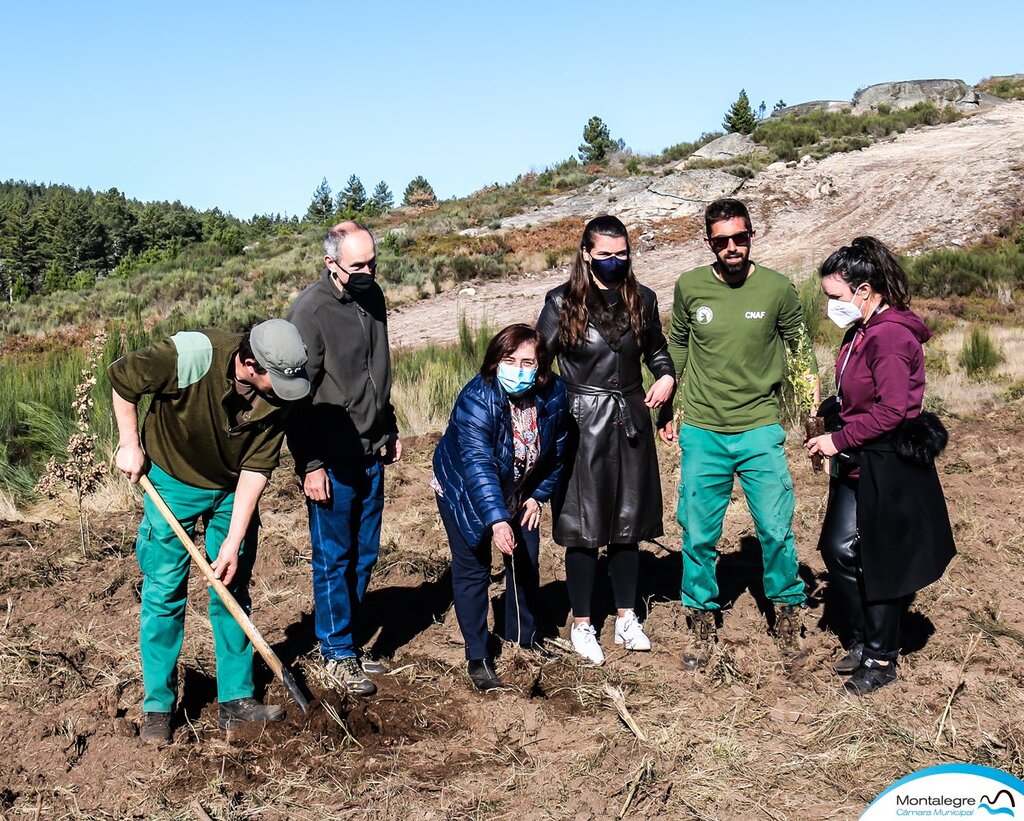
[(581, 571), (875, 624)]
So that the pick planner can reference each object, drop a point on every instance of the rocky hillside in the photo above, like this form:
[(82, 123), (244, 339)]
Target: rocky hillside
[(933, 187)]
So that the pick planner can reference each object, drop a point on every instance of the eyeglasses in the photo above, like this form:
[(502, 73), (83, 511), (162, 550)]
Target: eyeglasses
[(366, 268), (721, 243)]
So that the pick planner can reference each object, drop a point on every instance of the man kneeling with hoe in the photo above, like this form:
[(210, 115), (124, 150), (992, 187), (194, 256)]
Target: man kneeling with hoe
[(213, 436)]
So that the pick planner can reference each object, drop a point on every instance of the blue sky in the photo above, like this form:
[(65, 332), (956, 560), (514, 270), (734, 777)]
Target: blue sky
[(247, 106)]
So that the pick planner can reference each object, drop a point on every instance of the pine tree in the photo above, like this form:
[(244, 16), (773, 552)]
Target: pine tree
[(382, 200), (419, 193), (19, 258), (322, 207), (781, 104), (597, 141), (352, 198), (740, 118)]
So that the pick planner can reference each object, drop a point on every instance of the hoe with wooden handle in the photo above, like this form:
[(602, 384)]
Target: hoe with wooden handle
[(260, 643)]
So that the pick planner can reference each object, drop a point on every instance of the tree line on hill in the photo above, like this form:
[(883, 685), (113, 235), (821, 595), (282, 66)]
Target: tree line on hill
[(55, 237), (352, 202)]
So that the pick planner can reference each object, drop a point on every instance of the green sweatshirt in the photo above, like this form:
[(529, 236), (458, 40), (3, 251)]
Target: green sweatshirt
[(727, 343), (192, 429)]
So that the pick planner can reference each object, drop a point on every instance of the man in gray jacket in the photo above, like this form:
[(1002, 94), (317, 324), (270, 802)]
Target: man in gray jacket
[(341, 438)]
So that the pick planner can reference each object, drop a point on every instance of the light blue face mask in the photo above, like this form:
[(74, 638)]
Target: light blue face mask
[(514, 380)]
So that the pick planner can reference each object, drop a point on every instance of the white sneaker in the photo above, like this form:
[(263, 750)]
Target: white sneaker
[(630, 632), (584, 642)]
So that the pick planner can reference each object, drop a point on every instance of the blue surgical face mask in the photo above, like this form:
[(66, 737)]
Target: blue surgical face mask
[(515, 380), (610, 271)]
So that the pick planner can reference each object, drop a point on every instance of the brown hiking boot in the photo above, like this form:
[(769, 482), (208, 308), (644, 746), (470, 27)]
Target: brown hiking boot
[(703, 637), (787, 630), (156, 728)]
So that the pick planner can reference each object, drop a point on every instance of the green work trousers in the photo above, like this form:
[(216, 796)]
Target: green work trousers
[(709, 462), (165, 566)]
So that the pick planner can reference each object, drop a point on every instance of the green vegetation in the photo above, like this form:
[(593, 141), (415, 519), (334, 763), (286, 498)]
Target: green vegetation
[(979, 356), (994, 268), (419, 193), (38, 408), (820, 133), (56, 238), (426, 381), (740, 118), (597, 142), (1009, 88), (352, 198), (321, 208), (680, 151)]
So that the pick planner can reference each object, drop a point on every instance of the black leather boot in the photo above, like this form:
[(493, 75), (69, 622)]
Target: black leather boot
[(483, 675)]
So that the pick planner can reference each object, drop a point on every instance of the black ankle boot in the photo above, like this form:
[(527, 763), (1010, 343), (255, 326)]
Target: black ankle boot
[(871, 675), (483, 674)]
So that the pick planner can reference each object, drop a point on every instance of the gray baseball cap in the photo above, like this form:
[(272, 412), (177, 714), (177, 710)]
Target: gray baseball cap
[(279, 349)]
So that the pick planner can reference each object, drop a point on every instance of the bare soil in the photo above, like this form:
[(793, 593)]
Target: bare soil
[(750, 737)]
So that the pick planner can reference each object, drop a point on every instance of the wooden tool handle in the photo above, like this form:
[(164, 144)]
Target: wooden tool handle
[(239, 615)]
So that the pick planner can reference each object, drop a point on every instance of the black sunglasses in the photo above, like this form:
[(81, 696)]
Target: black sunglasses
[(721, 243)]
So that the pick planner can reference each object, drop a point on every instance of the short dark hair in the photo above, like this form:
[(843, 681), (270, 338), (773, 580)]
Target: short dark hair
[(505, 343), (245, 350), (726, 208)]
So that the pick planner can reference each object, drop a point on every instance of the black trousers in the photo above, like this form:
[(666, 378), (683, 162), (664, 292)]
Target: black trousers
[(875, 624), (471, 576)]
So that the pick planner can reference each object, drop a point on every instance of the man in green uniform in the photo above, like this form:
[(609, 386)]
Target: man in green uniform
[(730, 323), (212, 436)]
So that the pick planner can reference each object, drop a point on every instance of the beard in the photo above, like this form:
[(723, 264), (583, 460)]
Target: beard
[(736, 265)]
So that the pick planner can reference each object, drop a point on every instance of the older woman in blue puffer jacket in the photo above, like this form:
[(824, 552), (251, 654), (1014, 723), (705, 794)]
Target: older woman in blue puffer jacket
[(496, 465)]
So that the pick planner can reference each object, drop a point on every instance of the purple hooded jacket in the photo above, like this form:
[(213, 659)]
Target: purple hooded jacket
[(883, 381)]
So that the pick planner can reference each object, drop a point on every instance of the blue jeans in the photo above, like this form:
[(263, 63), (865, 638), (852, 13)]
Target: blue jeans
[(345, 533), (471, 575)]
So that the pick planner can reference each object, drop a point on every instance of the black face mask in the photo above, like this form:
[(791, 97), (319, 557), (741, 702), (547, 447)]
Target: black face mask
[(358, 283), (611, 271)]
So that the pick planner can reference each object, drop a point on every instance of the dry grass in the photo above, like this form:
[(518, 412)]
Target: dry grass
[(959, 393)]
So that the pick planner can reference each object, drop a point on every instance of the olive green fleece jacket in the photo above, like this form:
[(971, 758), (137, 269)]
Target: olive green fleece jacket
[(348, 414), (727, 342), (190, 430)]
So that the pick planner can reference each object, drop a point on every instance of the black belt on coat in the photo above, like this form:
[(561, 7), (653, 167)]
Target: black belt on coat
[(620, 400)]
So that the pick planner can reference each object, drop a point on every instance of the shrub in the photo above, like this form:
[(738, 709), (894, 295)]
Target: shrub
[(992, 268), (979, 355), (1009, 88)]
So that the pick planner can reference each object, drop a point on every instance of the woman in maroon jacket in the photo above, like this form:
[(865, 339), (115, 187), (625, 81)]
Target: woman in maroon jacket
[(886, 532)]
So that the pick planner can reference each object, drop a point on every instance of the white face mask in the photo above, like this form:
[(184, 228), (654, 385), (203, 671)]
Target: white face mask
[(844, 314)]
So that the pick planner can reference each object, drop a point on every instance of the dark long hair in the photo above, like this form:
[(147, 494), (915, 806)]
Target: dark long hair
[(867, 259), (507, 341), (573, 321)]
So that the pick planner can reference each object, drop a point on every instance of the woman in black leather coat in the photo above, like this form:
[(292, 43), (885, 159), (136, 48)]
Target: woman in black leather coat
[(601, 325)]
